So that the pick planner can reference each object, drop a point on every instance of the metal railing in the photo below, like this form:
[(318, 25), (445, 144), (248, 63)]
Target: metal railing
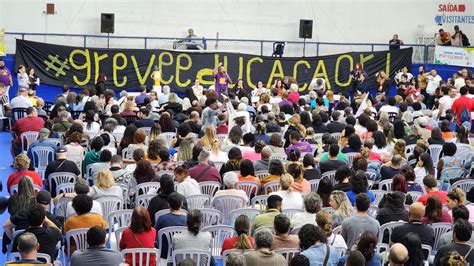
[(421, 53)]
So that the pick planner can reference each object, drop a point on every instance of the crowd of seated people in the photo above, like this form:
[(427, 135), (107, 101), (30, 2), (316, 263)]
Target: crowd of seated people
[(334, 183)]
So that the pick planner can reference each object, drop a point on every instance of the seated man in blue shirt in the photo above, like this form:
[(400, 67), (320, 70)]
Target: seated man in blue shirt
[(140, 99), (28, 247), (174, 218)]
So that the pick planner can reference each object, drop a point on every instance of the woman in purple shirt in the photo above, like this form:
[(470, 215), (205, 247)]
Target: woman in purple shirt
[(222, 80)]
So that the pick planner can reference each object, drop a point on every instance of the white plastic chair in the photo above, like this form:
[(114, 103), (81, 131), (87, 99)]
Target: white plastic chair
[(290, 212), (61, 178), (166, 211), (65, 188), (261, 174), (271, 187), (26, 139), (465, 185), (218, 165), (250, 188), (386, 185), (80, 238), (42, 156), (169, 136), (350, 158), (118, 234), (389, 227), (211, 217), (60, 208), (435, 151), (261, 201), (14, 189), (15, 256), (160, 173), (221, 137), (227, 203), (378, 196), (314, 183), (288, 253), (331, 175), (198, 201), (439, 229), (166, 235), (144, 200), (415, 195), (145, 188), (336, 135), (124, 188), (328, 209), (209, 187), (147, 130), (314, 147), (295, 231), (110, 204), (278, 156), (451, 173), (219, 233), (118, 219), (462, 148), (372, 212), (268, 228), (464, 158), (125, 154), (249, 212), (337, 230), (371, 175), (201, 257), (409, 149), (142, 256), (57, 141)]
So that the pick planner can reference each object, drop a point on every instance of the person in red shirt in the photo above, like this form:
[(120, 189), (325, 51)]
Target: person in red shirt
[(462, 102), (21, 164), (140, 234), (203, 171), (29, 123), (242, 240), (431, 187)]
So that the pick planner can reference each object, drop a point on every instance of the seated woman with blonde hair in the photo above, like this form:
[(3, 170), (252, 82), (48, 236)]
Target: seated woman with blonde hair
[(291, 199), (105, 186)]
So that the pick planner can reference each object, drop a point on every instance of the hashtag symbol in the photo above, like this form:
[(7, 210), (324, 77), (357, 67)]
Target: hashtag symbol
[(54, 60)]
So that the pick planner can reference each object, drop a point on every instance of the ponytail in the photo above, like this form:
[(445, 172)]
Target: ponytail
[(365, 153), (243, 242)]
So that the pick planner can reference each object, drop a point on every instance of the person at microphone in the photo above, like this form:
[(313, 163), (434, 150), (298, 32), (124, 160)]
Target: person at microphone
[(222, 80)]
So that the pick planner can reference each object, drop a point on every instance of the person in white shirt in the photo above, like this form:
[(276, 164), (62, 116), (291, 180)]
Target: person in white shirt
[(312, 205), (459, 80), (291, 199), (433, 83), (445, 102), (390, 108), (187, 186), (324, 221), (90, 127), (318, 85), (274, 97), (398, 77), (21, 101), (197, 88), (230, 181), (163, 98), (22, 77)]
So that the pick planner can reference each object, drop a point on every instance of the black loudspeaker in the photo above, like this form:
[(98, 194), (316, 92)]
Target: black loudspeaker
[(306, 29), (107, 21)]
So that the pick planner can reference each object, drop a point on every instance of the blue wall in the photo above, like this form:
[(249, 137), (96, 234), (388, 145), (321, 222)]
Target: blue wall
[(48, 93)]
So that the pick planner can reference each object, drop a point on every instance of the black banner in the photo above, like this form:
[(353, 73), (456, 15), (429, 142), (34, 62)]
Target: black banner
[(129, 68)]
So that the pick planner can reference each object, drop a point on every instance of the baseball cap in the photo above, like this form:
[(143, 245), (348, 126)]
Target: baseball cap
[(43, 197), (61, 149)]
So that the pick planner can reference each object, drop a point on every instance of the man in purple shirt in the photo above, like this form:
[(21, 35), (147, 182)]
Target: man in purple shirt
[(297, 144), (5, 77), (140, 99), (222, 80), (284, 100), (203, 171)]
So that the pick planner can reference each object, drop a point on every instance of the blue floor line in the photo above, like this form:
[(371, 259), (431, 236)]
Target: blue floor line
[(5, 171)]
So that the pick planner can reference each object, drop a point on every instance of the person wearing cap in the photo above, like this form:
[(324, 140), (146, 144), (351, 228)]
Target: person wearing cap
[(29, 123), (46, 231), (21, 101), (43, 141), (145, 120), (140, 99), (61, 164)]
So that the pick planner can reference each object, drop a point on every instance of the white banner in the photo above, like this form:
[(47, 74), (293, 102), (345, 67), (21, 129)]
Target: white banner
[(456, 56)]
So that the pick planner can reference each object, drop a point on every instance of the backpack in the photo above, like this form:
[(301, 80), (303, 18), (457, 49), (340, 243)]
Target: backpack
[(465, 116), (465, 40)]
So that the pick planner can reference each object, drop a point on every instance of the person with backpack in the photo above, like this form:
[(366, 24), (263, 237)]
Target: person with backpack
[(462, 108)]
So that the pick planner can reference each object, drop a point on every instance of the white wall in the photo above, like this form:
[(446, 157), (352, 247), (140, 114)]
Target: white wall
[(335, 20)]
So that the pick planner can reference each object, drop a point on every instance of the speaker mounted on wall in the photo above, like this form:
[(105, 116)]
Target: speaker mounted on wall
[(306, 28), (107, 21)]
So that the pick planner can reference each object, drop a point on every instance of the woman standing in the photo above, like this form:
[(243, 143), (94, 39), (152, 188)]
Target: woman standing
[(22, 77), (100, 87), (140, 234), (33, 79)]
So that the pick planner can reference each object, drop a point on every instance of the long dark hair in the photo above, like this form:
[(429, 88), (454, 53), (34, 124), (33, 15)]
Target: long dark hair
[(325, 190), (434, 209), (366, 245), (194, 221), (140, 221), (25, 197), (144, 172), (427, 163), (128, 135), (415, 253)]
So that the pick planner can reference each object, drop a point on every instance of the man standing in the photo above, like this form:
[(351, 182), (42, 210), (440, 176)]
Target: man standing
[(96, 253), (459, 38), (222, 80), (29, 123), (444, 38), (5, 77), (433, 83), (394, 43)]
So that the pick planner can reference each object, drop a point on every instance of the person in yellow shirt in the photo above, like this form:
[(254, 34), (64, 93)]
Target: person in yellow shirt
[(156, 76)]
